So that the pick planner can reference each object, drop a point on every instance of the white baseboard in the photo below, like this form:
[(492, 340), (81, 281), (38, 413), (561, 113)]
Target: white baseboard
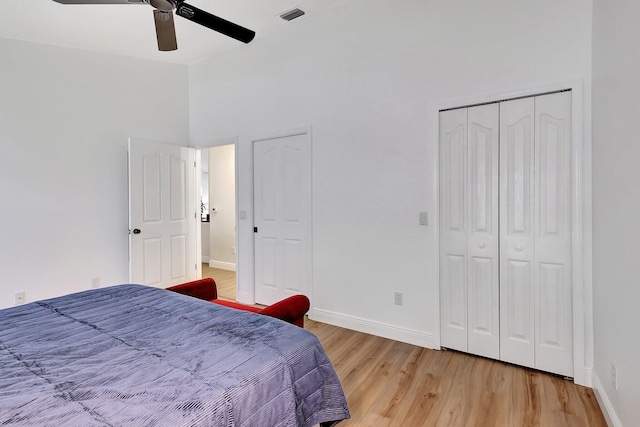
[(244, 298), (605, 404), (588, 377), (384, 330), (205, 259), (222, 265)]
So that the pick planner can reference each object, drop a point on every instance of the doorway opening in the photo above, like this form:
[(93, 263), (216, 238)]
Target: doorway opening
[(218, 217)]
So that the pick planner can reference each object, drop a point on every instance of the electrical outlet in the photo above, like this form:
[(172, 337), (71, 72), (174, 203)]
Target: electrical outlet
[(233, 250), (20, 298), (614, 376), (397, 298), (95, 282)]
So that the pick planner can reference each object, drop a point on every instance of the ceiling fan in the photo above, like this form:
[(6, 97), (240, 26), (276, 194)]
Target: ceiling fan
[(163, 16)]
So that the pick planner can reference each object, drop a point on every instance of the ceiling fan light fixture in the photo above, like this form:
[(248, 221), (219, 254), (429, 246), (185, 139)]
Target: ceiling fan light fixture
[(292, 14)]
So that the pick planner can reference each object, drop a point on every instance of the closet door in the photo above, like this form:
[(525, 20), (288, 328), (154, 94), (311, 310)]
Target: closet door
[(517, 293), (535, 225), (505, 231), (453, 229), (469, 229), (482, 237), (553, 301)]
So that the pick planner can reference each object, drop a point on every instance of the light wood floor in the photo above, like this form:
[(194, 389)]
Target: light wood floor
[(225, 281), (388, 383)]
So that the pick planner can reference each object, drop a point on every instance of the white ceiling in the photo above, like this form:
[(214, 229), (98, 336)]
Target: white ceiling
[(129, 29)]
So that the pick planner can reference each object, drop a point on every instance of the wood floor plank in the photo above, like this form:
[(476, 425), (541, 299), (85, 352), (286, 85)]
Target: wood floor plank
[(392, 384), (414, 395), (225, 281)]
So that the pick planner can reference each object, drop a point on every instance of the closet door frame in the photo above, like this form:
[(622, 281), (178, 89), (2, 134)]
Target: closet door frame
[(581, 247)]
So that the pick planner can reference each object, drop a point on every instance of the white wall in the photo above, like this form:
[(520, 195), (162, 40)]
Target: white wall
[(205, 231), (616, 207), (222, 193), (369, 76), (65, 117)]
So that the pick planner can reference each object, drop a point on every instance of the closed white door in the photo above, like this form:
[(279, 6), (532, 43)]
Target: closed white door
[(163, 213), (469, 230), (282, 203), (505, 219), (553, 298), (535, 252)]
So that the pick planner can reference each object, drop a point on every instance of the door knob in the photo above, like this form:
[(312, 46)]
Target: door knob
[(519, 248), (481, 245), (136, 231)]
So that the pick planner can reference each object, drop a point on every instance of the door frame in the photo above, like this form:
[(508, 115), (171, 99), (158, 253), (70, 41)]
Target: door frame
[(245, 271), (217, 143), (581, 213)]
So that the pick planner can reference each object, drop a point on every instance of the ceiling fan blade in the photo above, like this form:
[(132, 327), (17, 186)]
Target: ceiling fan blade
[(165, 30), (215, 23), (100, 1)]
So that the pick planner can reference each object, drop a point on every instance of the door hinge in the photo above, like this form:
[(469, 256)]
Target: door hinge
[(255, 229)]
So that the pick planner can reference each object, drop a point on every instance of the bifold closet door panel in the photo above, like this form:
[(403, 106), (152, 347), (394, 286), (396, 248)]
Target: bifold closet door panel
[(453, 229), (517, 250), (482, 236), (554, 318), (535, 232), (469, 230)]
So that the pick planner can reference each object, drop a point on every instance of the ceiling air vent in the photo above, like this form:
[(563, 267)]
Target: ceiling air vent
[(292, 14)]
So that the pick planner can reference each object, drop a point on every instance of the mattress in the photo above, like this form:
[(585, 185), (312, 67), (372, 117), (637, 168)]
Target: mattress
[(132, 355)]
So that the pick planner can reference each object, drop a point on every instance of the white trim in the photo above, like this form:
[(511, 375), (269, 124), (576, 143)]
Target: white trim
[(197, 177), (222, 265), (588, 372), (580, 206), (574, 84), (409, 336), (305, 130), (205, 260), (605, 404)]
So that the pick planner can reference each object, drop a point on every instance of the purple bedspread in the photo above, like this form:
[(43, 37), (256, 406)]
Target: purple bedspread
[(132, 355)]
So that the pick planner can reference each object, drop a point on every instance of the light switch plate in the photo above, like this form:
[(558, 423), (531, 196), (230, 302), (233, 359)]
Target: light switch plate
[(423, 218)]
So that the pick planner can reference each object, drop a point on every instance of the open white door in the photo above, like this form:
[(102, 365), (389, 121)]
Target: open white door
[(282, 203), (163, 214)]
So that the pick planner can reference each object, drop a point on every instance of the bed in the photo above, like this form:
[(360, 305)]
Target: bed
[(132, 355)]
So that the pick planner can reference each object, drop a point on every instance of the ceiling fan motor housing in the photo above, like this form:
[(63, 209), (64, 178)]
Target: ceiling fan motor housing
[(164, 5)]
